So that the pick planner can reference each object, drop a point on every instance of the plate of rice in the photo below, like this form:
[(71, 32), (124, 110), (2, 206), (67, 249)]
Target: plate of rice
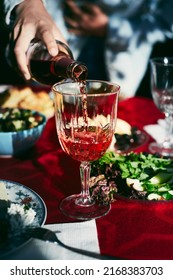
[(20, 208)]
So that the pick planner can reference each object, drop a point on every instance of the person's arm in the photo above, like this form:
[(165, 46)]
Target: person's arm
[(31, 20)]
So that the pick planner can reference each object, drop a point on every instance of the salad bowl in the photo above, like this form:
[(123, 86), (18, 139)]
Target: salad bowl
[(19, 130)]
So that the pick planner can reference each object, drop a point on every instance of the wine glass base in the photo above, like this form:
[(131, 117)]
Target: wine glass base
[(70, 208), (157, 148)]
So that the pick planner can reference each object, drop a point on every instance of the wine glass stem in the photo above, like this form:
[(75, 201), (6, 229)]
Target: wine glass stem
[(85, 198)]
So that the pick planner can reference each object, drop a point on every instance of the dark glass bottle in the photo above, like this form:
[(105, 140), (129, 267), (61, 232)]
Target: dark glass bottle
[(49, 70)]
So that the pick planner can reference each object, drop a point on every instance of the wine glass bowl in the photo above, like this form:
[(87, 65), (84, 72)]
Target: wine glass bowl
[(162, 93), (85, 115)]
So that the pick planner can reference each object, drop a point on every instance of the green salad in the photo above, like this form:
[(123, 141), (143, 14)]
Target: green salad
[(136, 176), (15, 119)]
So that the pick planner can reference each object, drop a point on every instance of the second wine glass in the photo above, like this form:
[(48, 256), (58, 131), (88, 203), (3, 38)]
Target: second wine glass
[(85, 116), (162, 93)]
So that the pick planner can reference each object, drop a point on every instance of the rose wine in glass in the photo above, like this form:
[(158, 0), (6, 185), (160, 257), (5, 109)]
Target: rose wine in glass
[(162, 93), (85, 114)]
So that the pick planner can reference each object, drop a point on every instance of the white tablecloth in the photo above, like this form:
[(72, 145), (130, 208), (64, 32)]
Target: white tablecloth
[(80, 235)]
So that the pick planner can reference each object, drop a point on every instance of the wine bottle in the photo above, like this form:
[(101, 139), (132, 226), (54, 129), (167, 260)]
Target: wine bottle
[(49, 70)]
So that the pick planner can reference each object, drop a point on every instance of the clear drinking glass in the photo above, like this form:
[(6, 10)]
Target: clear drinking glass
[(85, 115), (162, 93)]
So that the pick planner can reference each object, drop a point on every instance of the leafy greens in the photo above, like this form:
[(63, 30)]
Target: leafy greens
[(138, 176)]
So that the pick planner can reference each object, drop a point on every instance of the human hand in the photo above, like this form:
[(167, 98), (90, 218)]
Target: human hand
[(86, 20), (33, 21)]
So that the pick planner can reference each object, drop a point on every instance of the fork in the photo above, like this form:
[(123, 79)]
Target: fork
[(50, 236)]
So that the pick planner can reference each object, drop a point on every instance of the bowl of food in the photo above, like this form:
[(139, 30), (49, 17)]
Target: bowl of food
[(19, 130), (127, 138)]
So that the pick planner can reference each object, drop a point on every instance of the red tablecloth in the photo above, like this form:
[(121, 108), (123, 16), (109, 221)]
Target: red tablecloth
[(131, 230)]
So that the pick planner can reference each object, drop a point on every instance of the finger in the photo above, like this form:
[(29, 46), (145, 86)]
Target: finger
[(77, 31), (91, 8), (74, 8), (20, 50), (20, 40), (49, 33), (71, 22), (48, 38), (50, 42)]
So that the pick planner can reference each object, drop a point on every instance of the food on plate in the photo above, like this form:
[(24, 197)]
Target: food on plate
[(19, 217), (122, 127), (15, 119), (135, 176), (14, 217), (3, 212), (26, 98), (127, 137)]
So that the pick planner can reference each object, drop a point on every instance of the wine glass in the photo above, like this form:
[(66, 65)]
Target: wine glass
[(162, 93), (85, 114)]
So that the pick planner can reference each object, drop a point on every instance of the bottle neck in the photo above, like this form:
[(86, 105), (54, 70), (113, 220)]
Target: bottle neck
[(70, 68)]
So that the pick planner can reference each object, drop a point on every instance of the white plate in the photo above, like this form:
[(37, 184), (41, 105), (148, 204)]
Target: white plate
[(18, 193)]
